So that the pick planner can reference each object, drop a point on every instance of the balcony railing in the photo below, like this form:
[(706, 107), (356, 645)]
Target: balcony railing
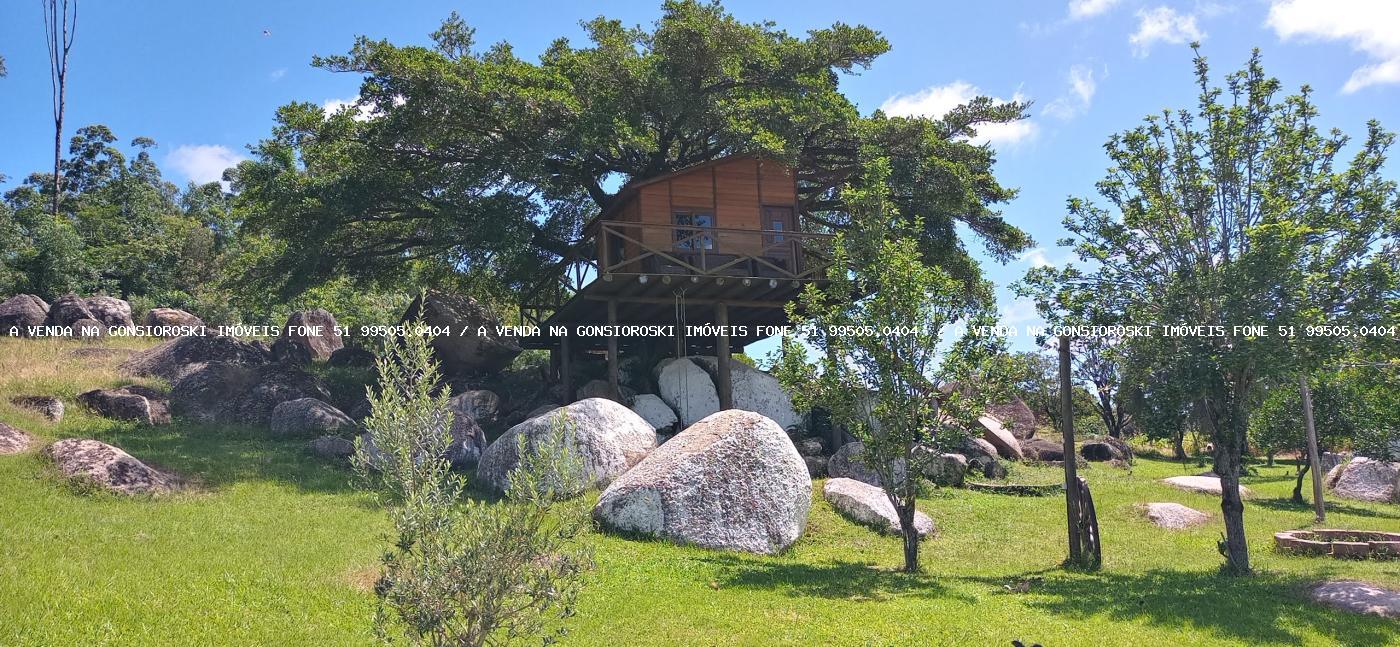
[(643, 249)]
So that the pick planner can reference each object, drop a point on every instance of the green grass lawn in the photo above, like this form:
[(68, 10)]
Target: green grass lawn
[(273, 546)]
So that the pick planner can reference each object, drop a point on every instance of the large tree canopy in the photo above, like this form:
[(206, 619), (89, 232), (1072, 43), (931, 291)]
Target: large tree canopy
[(476, 158)]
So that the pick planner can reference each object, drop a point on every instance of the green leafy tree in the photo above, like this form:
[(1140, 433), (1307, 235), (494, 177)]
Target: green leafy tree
[(473, 157), (1277, 425), (880, 370), (462, 571), (1231, 214)]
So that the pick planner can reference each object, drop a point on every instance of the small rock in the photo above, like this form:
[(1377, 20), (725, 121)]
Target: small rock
[(351, 356), (307, 416), (48, 406), (134, 402), (816, 466), (811, 447), (107, 467), (947, 470), (656, 412), (171, 322), (315, 331), (1358, 597), (1203, 484), (479, 405), (601, 389), (982, 458), (868, 505), (13, 440), (1174, 515), (88, 329), (290, 353), (333, 447), (1043, 450)]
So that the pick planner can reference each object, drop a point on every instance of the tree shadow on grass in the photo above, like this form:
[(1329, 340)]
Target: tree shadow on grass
[(1287, 504), (833, 580), (1258, 609), (218, 456)]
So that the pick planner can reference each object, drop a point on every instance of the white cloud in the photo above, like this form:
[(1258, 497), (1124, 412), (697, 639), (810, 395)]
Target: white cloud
[(1080, 9), (364, 111), (1163, 24), (203, 163), (936, 101), (1021, 310), (277, 74), (1368, 26), (1076, 100)]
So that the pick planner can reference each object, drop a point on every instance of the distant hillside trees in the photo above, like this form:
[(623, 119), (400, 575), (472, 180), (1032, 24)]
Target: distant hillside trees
[(122, 229)]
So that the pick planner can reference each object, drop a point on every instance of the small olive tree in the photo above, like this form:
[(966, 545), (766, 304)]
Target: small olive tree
[(881, 372), (462, 571)]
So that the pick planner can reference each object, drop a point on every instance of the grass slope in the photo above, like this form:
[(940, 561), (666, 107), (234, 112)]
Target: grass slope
[(274, 547)]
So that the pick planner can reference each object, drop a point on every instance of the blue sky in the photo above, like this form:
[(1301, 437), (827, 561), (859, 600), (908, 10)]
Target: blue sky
[(203, 79)]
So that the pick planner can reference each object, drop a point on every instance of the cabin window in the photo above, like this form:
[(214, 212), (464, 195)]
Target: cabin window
[(777, 221), (694, 230)]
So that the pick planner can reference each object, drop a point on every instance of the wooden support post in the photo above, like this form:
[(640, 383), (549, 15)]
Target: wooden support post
[(553, 376), (612, 354), (724, 385), (564, 377), (1067, 431), (1314, 461)]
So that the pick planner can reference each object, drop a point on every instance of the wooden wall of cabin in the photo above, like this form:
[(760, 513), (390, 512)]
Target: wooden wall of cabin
[(735, 192)]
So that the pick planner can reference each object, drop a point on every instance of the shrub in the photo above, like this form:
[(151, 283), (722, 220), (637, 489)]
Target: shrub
[(463, 571)]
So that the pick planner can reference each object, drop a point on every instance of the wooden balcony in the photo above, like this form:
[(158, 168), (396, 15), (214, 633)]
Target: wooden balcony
[(644, 269)]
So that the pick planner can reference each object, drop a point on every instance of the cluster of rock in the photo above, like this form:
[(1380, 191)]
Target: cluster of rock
[(86, 317)]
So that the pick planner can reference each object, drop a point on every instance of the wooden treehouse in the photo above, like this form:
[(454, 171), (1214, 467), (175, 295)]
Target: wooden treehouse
[(720, 244)]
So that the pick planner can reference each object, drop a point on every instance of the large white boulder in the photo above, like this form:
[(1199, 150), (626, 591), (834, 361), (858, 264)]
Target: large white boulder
[(1005, 443), (607, 437), (656, 412), (1365, 479), (756, 391), (732, 481), (868, 505), (687, 388)]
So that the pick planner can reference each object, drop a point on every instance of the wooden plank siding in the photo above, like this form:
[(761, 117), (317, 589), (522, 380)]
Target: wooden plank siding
[(734, 192)]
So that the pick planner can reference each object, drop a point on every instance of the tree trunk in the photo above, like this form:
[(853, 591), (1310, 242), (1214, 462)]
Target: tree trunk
[(911, 536), (1178, 445), (1227, 432), (1298, 486), (1269, 459)]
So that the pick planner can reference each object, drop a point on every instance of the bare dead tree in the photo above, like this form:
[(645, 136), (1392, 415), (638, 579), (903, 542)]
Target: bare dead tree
[(60, 23)]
